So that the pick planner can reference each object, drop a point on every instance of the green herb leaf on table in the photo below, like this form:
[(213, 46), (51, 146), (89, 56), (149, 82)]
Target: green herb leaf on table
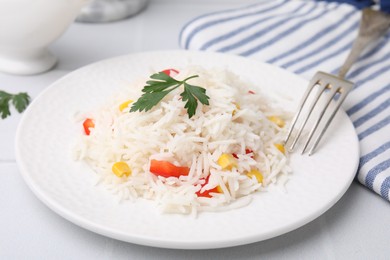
[(20, 101), (161, 84)]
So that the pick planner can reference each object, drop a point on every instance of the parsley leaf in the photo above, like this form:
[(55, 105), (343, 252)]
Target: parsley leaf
[(193, 93), (20, 102), (148, 100), (161, 84), (162, 81), (4, 105)]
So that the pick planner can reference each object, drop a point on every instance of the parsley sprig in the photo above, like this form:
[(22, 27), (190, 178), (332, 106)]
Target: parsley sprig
[(161, 84), (20, 101)]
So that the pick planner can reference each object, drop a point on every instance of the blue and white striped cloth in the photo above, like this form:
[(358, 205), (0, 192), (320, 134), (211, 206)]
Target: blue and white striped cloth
[(304, 37)]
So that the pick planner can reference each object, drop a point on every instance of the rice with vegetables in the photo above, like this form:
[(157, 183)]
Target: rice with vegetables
[(191, 151)]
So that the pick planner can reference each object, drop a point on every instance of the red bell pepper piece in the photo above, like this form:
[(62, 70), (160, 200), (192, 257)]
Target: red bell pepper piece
[(87, 124), (171, 72), (246, 151), (167, 169), (206, 193)]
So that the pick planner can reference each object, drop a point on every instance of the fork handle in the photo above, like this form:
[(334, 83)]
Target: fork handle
[(373, 24)]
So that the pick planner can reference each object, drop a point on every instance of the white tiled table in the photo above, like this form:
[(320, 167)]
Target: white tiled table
[(357, 227)]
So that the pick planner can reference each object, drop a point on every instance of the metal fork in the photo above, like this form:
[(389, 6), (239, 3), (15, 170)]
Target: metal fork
[(334, 88)]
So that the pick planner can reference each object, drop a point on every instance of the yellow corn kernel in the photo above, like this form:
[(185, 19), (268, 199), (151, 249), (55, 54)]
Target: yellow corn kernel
[(238, 108), (277, 120), (257, 174), (120, 169), (227, 161), (280, 147), (219, 189), (124, 105)]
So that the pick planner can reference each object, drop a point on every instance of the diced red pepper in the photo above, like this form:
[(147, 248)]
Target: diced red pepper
[(206, 193), (246, 151), (87, 124), (171, 72), (167, 169)]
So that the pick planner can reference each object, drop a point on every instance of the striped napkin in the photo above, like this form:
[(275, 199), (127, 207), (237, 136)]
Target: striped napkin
[(304, 37)]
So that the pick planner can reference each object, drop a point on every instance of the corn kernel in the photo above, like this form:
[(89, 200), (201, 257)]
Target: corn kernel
[(280, 147), (238, 108), (124, 105), (120, 169), (227, 161), (219, 189), (257, 174), (277, 120)]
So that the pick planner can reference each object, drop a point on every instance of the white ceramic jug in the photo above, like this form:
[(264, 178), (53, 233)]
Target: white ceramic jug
[(27, 27)]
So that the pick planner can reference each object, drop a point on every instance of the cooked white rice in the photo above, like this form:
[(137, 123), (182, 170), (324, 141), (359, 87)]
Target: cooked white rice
[(234, 121)]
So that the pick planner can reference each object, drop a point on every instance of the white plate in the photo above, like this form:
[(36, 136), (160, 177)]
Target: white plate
[(46, 133)]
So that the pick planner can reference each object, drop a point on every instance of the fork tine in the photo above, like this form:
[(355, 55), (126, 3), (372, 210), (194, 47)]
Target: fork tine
[(313, 82), (321, 115), (343, 95), (324, 81), (311, 108)]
